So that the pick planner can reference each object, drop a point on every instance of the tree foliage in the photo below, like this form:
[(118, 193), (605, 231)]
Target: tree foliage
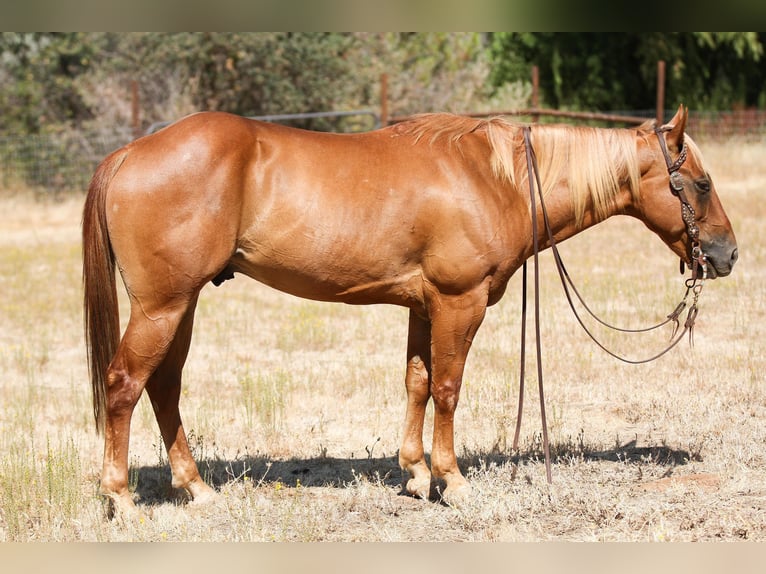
[(55, 81), (250, 74), (618, 71), (38, 74), (78, 78)]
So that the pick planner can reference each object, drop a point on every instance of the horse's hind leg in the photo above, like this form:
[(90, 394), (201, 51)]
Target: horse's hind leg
[(164, 390), (144, 345), (417, 382)]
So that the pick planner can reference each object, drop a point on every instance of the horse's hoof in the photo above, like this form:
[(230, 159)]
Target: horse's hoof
[(457, 496), (121, 508), (204, 499), (419, 487), (201, 494)]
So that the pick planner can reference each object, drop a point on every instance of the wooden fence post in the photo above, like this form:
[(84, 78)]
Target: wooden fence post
[(383, 100), (660, 92), (535, 92), (135, 109)]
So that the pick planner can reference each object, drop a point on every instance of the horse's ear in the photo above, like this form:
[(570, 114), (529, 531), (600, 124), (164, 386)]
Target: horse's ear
[(677, 125)]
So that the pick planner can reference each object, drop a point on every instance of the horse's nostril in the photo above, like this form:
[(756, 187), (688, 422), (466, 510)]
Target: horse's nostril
[(734, 256)]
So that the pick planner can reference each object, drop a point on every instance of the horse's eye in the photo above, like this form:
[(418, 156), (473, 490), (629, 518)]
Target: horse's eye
[(702, 185)]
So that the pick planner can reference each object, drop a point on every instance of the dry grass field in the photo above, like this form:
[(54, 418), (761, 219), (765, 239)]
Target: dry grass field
[(295, 407)]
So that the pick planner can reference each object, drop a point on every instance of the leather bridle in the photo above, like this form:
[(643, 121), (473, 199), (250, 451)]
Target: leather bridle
[(688, 215), (693, 285)]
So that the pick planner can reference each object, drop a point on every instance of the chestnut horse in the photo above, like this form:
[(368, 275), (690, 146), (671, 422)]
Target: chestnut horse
[(432, 214)]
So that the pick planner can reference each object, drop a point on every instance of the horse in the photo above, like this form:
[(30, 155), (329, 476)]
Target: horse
[(430, 214)]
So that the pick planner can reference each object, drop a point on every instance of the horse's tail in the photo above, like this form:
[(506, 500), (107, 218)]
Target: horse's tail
[(101, 312)]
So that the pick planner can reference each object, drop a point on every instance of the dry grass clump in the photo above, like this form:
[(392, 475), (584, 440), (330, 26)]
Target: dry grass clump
[(294, 408)]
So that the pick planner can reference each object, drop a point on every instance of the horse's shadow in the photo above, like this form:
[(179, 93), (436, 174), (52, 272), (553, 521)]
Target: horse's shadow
[(152, 483)]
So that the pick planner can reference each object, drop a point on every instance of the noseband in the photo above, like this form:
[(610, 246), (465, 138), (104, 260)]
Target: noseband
[(688, 215)]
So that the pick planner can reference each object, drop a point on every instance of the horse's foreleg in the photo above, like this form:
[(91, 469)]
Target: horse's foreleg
[(411, 456), (143, 347), (164, 390), (455, 320)]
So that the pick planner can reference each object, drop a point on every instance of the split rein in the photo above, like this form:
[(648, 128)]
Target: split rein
[(693, 285)]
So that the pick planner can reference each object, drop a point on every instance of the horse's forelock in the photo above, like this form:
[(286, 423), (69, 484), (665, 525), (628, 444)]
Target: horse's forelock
[(695, 151)]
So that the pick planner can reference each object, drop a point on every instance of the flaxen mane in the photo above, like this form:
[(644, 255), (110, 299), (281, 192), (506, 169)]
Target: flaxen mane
[(594, 162)]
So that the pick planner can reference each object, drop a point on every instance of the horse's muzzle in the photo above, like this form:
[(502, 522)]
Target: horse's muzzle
[(721, 257)]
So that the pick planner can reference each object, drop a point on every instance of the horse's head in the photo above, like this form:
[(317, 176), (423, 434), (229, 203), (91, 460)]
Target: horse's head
[(677, 199)]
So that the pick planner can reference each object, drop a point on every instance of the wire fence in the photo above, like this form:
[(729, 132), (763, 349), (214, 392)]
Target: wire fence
[(56, 163), (747, 124), (64, 162)]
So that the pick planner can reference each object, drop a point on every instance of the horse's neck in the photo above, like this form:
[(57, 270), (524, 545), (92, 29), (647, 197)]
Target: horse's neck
[(561, 216)]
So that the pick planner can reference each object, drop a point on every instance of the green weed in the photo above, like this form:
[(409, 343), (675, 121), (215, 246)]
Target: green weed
[(39, 491), (306, 329), (263, 397)]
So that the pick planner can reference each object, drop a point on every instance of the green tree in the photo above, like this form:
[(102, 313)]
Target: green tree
[(38, 75), (608, 71), (248, 74), (433, 71), (69, 79)]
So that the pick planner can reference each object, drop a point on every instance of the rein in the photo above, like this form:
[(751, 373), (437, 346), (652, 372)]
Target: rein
[(693, 285)]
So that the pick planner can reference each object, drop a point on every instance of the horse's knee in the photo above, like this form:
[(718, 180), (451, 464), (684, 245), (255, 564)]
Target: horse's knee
[(446, 394)]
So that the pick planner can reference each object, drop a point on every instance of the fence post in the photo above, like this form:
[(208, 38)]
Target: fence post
[(535, 92), (660, 92), (383, 99), (135, 109)]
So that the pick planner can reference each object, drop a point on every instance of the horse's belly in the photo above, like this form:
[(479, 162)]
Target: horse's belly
[(338, 279)]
